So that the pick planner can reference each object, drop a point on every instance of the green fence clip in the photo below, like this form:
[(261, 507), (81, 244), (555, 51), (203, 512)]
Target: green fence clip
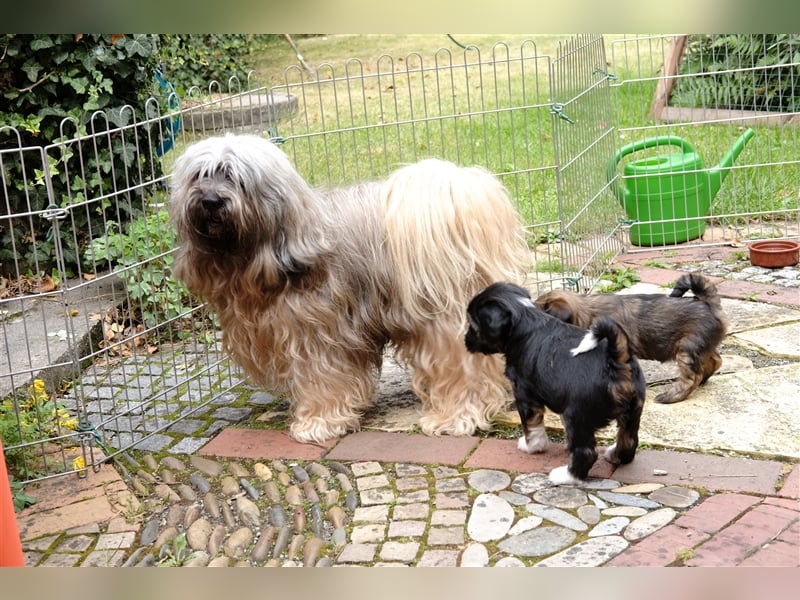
[(606, 74), (574, 282), (275, 138), (627, 222), (558, 110)]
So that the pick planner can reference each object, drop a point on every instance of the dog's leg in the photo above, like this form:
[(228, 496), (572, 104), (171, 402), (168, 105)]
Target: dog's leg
[(710, 365), (534, 437), (624, 450), (690, 376), (327, 401), (581, 445), (460, 392)]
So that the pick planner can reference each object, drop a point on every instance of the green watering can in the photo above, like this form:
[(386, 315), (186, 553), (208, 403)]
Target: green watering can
[(673, 189)]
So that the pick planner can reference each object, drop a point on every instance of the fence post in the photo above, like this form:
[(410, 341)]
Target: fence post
[(10, 544)]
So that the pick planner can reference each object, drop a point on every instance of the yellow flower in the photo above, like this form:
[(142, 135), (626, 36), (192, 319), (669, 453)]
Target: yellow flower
[(78, 463)]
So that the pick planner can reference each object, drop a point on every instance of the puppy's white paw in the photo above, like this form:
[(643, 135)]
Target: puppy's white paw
[(611, 454), (535, 442), (562, 476)]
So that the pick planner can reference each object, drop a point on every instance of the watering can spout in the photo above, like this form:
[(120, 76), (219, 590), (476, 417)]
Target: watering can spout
[(716, 175)]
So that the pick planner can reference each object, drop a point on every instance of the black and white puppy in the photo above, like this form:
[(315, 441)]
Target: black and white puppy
[(590, 378)]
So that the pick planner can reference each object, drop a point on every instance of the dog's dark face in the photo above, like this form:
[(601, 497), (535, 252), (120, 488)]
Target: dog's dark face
[(491, 315), (234, 194)]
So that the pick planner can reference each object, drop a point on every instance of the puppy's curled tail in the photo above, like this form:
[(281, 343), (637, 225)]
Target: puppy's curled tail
[(619, 350), (702, 287)]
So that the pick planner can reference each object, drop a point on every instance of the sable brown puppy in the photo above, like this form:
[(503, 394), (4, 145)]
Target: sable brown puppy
[(685, 329), (312, 286), (589, 378)]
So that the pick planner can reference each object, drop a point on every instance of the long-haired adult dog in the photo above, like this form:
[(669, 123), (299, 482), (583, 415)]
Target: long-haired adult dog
[(660, 327), (311, 286), (589, 378)]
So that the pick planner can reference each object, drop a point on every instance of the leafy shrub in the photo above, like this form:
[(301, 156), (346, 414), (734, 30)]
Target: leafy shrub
[(195, 60), (31, 418), (758, 72), (141, 255), (89, 80)]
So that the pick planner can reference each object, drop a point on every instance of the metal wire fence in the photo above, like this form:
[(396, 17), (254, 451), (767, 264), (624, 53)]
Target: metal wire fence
[(125, 355)]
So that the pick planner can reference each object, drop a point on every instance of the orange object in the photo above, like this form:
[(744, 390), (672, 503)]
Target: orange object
[(10, 545)]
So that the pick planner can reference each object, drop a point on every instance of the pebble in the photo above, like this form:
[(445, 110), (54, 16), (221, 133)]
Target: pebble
[(491, 518), (168, 477), (475, 555), (298, 520), (311, 551), (211, 505), (230, 487), (227, 515), (175, 515), (624, 511), (293, 495), (215, 539), (533, 482), (589, 514), (238, 470), (261, 549), (627, 500), (281, 541), (272, 491), (199, 482), (557, 516), (525, 524), (198, 534), (191, 515), (150, 462), (610, 526), (249, 513), (278, 516), (675, 496), (300, 474), (206, 466), (638, 488), (486, 480), (538, 542), (186, 492), (170, 462), (649, 523), (592, 552), (562, 497), (309, 491), (238, 542), (262, 471), (247, 487), (509, 561)]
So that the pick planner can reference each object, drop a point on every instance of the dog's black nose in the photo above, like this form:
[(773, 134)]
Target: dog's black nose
[(211, 202)]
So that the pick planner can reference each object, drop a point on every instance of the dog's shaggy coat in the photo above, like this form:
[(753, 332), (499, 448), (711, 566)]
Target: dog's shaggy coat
[(660, 327), (312, 286), (590, 379)]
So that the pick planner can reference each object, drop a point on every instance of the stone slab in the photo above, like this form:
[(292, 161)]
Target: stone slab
[(777, 340), (714, 473), (261, 443), (755, 411), (745, 315), (403, 448)]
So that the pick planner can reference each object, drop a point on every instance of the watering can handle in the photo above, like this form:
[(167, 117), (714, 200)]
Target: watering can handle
[(662, 140)]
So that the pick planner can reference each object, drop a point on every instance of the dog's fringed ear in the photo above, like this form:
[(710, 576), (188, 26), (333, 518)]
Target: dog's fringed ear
[(496, 319)]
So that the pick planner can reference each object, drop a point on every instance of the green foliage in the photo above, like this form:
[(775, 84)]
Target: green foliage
[(141, 254), (175, 554), (30, 418), (620, 278), (63, 88), (18, 495), (758, 72), (195, 60)]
